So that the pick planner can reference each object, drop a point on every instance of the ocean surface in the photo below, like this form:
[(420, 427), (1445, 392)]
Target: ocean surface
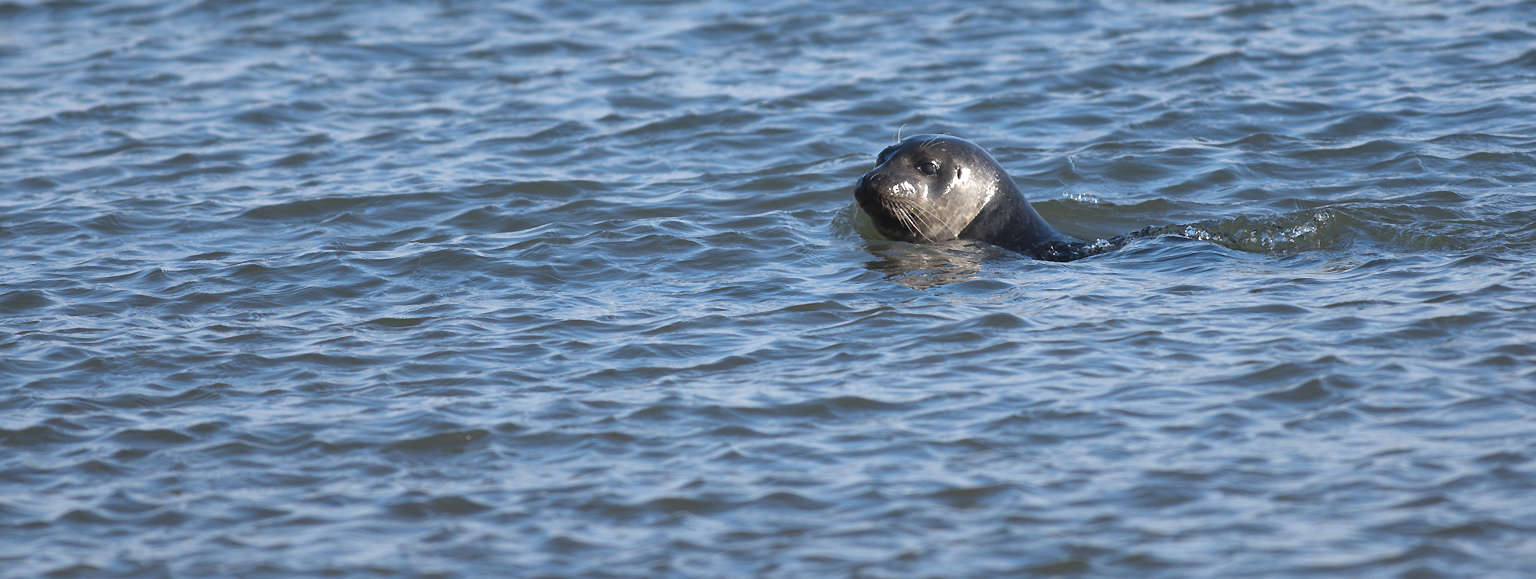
[(578, 289)]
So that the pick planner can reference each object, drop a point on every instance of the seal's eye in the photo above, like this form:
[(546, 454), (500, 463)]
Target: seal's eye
[(929, 168)]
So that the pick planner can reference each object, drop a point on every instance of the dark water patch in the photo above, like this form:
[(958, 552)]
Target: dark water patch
[(20, 302), (444, 442), (312, 209), (1525, 60), (435, 507), (35, 436)]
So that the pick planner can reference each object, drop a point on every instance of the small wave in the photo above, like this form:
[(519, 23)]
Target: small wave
[(1301, 231)]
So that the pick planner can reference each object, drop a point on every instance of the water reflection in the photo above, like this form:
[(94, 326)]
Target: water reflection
[(925, 267)]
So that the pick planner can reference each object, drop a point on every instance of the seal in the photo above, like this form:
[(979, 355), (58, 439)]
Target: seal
[(931, 188)]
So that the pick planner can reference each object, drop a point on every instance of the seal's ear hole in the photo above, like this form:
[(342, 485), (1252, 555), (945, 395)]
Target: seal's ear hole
[(959, 172)]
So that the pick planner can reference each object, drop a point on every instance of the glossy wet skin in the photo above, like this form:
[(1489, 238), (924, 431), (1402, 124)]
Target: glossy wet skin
[(928, 188)]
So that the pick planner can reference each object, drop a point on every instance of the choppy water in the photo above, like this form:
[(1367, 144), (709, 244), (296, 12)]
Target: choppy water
[(459, 289)]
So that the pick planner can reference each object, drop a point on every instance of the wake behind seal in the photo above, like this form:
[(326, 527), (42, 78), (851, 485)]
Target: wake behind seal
[(931, 188)]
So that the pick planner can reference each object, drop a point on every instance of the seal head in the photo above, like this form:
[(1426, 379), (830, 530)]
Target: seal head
[(931, 188)]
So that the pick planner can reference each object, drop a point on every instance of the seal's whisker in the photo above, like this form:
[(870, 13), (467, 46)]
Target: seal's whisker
[(923, 230), (907, 215), (925, 219), (927, 213)]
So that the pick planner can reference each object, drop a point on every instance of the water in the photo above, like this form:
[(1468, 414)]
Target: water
[(458, 289)]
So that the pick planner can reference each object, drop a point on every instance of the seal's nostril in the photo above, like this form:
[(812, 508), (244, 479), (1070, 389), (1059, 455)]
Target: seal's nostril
[(861, 190), (870, 179), (866, 182)]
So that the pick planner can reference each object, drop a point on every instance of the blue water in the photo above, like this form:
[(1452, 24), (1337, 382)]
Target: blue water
[(473, 289)]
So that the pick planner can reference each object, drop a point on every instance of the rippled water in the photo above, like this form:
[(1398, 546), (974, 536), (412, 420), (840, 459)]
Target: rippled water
[(461, 289)]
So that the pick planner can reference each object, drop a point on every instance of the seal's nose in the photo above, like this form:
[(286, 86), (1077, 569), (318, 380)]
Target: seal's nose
[(864, 191)]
